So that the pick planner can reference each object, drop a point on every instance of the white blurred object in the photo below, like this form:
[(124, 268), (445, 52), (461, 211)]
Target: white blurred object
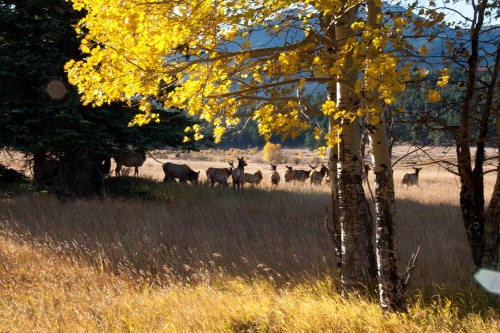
[(490, 280)]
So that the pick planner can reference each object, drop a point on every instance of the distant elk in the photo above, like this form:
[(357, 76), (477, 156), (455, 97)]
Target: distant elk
[(255, 178), (219, 175), (130, 159), (275, 177), (239, 174), (293, 175), (317, 176), (179, 171), (411, 178)]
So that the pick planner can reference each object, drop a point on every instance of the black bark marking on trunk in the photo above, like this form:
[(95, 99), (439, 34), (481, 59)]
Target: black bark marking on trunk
[(390, 285)]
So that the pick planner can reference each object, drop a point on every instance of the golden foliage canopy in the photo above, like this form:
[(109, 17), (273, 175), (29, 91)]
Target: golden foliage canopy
[(214, 54)]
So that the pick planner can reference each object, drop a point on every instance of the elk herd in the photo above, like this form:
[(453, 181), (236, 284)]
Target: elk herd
[(239, 177)]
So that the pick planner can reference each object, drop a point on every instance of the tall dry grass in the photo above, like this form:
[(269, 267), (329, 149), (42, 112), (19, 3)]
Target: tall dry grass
[(261, 230), (200, 230), (42, 292), (203, 259)]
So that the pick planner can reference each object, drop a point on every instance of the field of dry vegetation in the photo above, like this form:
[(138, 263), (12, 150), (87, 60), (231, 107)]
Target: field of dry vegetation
[(195, 258)]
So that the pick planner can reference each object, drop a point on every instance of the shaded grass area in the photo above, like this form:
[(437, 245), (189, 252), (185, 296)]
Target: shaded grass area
[(197, 230), (145, 228)]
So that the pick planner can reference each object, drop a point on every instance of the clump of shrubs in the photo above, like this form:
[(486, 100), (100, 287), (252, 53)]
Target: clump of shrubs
[(272, 153)]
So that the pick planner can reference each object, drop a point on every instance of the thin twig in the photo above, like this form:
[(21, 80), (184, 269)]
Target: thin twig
[(409, 268)]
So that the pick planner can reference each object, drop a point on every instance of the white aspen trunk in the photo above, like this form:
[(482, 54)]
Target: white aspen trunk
[(333, 159), (389, 281), (329, 57), (351, 198), (351, 203)]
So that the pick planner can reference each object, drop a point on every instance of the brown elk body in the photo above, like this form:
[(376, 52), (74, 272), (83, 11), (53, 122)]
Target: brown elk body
[(239, 174), (317, 176), (255, 178), (411, 178), (219, 175), (296, 175), (179, 171), (275, 177), (130, 159)]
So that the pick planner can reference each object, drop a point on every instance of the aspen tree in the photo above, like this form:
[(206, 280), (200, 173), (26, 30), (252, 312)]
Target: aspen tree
[(220, 70)]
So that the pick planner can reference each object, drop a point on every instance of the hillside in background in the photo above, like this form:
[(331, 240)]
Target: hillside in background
[(246, 133)]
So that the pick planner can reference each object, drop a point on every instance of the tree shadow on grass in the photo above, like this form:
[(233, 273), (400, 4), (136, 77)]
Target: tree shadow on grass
[(198, 233)]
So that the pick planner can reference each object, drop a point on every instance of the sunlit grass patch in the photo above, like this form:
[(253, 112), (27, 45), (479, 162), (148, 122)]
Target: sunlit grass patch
[(45, 293)]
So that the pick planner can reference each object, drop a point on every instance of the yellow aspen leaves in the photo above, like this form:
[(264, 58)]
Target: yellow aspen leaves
[(213, 52), (317, 132), (356, 26), (218, 132), (443, 80), (424, 50), (433, 96), (329, 108)]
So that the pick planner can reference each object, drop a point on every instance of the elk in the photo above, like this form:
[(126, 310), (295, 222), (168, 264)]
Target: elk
[(300, 175), (219, 175), (130, 159), (239, 174), (255, 178), (288, 174), (275, 177), (411, 178), (180, 171), (317, 176)]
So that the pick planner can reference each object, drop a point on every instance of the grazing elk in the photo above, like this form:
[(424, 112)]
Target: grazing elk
[(219, 175), (317, 176), (179, 171), (411, 178), (293, 175), (255, 178), (275, 177), (130, 159), (239, 174)]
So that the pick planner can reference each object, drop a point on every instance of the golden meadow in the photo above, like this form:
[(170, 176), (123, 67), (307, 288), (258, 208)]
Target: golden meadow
[(196, 259)]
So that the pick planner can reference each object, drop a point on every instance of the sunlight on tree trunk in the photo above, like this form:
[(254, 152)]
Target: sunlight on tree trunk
[(389, 280), (355, 268), (390, 286), (333, 159)]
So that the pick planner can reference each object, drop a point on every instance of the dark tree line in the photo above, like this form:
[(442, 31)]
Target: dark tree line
[(58, 134)]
